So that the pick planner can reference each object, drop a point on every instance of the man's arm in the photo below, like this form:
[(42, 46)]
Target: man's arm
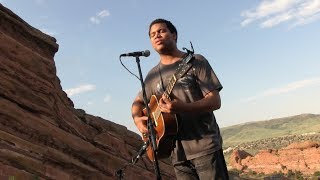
[(139, 118), (209, 103)]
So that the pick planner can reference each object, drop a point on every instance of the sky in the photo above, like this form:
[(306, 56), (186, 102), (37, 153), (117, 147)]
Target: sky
[(264, 52)]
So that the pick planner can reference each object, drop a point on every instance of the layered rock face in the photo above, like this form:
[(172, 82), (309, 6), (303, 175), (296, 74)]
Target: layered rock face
[(41, 134), (303, 157)]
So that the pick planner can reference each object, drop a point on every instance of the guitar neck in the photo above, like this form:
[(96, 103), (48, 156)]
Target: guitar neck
[(183, 68), (170, 86)]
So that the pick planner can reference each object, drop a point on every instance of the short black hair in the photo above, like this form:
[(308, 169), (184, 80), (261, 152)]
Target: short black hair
[(170, 26)]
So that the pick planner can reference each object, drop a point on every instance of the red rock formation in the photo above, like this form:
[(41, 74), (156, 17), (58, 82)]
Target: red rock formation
[(303, 157), (236, 157), (41, 134)]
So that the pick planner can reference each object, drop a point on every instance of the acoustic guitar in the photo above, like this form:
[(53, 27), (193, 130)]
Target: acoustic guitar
[(165, 124)]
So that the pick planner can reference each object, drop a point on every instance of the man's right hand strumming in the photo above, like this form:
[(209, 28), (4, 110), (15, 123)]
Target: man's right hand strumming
[(141, 123), (138, 116)]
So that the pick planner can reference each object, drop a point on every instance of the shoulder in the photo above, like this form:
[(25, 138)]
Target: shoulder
[(201, 63), (154, 68), (199, 57), (152, 72)]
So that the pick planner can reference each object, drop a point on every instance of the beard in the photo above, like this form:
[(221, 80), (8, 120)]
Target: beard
[(165, 49)]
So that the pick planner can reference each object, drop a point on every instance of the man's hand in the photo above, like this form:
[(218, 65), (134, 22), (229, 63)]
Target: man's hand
[(171, 106), (138, 116), (141, 123), (210, 102)]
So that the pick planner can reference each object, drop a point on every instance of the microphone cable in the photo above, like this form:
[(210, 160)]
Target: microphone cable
[(128, 69)]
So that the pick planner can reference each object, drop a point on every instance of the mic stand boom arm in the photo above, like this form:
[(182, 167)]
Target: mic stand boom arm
[(150, 125)]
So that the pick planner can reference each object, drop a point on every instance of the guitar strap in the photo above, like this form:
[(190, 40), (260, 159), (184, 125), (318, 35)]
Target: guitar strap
[(184, 66)]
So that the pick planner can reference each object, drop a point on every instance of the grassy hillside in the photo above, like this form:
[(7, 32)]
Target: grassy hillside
[(248, 132)]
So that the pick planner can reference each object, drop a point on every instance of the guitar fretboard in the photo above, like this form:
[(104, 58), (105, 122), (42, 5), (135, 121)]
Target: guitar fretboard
[(183, 67)]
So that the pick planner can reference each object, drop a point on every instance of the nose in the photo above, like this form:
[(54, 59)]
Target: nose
[(157, 35)]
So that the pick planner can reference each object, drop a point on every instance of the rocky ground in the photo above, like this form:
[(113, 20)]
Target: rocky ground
[(295, 154)]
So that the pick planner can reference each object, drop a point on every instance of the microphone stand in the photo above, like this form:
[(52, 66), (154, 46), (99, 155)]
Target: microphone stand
[(119, 173), (150, 124)]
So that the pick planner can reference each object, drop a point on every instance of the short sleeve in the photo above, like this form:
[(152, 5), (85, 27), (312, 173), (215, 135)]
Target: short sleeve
[(206, 77)]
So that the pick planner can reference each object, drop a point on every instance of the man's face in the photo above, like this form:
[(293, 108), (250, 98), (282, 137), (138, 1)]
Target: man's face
[(161, 38)]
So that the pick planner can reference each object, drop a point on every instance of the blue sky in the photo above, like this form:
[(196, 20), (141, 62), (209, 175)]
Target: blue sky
[(265, 52)]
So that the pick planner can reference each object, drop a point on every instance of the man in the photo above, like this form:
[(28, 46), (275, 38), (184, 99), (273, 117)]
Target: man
[(198, 147)]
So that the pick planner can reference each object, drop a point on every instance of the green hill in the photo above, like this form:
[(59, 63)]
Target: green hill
[(253, 131)]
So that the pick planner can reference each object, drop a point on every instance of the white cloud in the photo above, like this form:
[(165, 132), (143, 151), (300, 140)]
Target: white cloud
[(276, 20), (95, 20), (100, 15), (107, 98), (49, 32), (80, 89), (285, 89), (103, 13), (270, 13)]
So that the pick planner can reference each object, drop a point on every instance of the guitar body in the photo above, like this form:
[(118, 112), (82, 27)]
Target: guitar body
[(166, 128)]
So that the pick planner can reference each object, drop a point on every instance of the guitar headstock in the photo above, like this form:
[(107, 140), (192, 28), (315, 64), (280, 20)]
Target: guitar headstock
[(189, 51)]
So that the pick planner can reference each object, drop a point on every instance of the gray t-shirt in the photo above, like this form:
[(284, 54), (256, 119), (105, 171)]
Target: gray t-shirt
[(198, 133)]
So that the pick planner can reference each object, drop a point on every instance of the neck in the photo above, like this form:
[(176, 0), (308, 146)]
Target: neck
[(172, 57)]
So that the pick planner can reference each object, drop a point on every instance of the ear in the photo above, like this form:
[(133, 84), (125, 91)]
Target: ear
[(175, 36)]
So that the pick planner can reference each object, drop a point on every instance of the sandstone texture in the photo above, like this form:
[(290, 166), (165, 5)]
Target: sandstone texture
[(301, 156), (42, 135)]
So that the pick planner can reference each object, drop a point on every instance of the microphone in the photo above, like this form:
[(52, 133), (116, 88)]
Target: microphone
[(140, 152), (145, 53)]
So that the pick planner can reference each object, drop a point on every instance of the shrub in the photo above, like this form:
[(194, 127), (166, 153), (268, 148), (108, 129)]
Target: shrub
[(295, 174), (317, 173)]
